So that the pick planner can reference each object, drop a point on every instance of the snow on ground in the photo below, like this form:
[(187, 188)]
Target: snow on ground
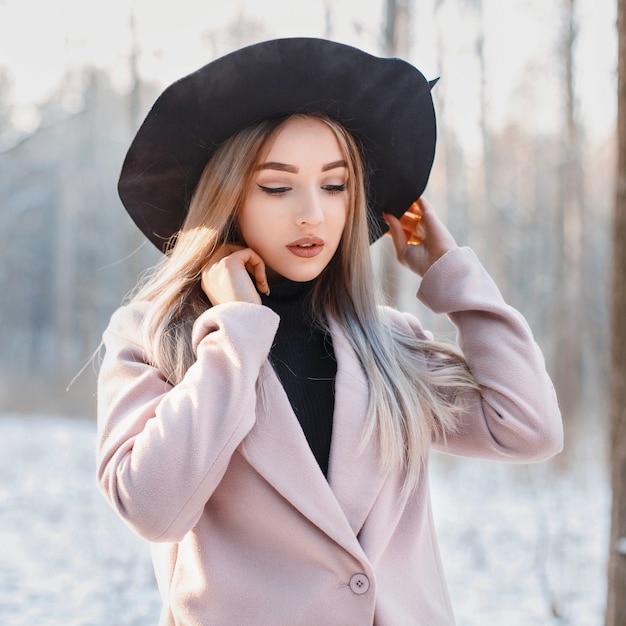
[(522, 546)]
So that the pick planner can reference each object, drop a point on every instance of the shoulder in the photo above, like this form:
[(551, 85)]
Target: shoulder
[(405, 323), (132, 311), (127, 321), (131, 314)]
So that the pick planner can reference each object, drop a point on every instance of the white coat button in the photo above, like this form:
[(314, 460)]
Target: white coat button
[(359, 583)]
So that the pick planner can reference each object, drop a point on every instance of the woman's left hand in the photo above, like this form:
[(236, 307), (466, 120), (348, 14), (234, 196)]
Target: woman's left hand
[(436, 240)]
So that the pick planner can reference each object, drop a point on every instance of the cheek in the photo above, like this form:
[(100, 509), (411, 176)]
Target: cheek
[(255, 226), (246, 222), (340, 219), (243, 227)]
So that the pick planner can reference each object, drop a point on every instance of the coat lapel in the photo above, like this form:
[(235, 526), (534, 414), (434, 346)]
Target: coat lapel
[(354, 475), (277, 448)]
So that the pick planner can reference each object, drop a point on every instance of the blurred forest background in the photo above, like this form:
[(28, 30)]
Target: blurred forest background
[(524, 173), (524, 170)]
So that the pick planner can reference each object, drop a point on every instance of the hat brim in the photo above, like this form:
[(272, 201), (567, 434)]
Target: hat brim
[(385, 103)]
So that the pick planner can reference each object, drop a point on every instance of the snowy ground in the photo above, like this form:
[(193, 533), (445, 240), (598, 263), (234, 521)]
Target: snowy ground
[(522, 546)]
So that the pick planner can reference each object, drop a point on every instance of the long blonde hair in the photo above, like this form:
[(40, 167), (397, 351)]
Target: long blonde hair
[(414, 383)]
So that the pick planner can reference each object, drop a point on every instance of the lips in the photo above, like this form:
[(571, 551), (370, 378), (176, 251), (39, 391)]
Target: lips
[(306, 247)]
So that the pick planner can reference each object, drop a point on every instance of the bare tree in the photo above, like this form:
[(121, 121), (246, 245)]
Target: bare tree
[(616, 600), (452, 154), (493, 248), (328, 19), (567, 320), (136, 241), (6, 106), (395, 43)]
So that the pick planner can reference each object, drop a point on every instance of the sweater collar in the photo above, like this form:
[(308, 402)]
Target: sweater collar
[(292, 301)]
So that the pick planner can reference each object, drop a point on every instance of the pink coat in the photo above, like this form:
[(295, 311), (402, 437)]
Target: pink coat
[(245, 528)]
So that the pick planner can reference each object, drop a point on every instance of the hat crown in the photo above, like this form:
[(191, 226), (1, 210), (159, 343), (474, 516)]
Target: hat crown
[(385, 103)]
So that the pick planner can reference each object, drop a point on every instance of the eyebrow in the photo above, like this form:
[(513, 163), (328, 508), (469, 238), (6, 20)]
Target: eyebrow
[(334, 165), (284, 167)]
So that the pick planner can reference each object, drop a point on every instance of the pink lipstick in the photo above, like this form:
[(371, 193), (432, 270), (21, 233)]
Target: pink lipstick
[(306, 247)]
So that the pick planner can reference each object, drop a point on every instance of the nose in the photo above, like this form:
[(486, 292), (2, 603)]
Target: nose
[(310, 211)]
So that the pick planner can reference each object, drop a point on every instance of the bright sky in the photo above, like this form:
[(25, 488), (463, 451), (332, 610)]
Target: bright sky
[(40, 40)]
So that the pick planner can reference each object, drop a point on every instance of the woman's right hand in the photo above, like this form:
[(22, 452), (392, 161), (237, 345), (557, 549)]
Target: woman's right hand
[(229, 276)]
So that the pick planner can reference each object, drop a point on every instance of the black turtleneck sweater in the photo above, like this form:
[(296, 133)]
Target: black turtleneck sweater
[(303, 358)]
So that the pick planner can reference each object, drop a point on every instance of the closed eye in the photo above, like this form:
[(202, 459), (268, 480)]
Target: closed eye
[(274, 191), (334, 188)]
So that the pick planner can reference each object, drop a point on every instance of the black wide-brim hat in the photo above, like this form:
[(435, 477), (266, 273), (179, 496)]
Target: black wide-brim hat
[(385, 103)]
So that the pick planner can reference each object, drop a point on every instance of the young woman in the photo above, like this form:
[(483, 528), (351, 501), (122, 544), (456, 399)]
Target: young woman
[(263, 420)]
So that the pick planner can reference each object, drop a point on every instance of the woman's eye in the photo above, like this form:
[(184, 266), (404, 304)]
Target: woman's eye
[(274, 191), (334, 188)]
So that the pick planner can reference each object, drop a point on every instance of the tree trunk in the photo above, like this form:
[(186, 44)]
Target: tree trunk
[(616, 599), (493, 241), (136, 239), (450, 153), (396, 43), (568, 319)]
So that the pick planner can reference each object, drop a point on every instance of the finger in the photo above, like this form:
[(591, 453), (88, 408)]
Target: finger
[(256, 266), (224, 277), (398, 234), (416, 208), (411, 223), (426, 209), (430, 220), (438, 233), (423, 205)]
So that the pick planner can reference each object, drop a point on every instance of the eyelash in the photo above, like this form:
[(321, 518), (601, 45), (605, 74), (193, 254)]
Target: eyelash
[(333, 189), (274, 191), (281, 191)]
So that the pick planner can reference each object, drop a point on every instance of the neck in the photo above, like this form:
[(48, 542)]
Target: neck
[(292, 301)]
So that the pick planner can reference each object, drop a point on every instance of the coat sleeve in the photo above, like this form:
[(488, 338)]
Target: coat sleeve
[(516, 415), (163, 449)]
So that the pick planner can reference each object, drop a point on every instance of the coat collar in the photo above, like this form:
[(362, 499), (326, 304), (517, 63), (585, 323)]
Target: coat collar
[(277, 448), (354, 475)]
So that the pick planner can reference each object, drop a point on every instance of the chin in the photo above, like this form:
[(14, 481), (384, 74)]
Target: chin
[(301, 275), (296, 275), (296, 270)]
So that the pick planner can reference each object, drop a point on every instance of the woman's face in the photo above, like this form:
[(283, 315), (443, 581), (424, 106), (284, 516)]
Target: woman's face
[(296, 207)]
